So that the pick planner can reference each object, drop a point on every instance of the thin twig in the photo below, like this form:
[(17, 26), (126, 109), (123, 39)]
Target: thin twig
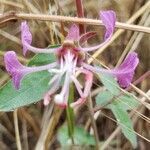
[(132, 39), (25, 135), (3, 79), (57, 18), (91, 112), (44, 127), (17, 130), (30, 120), (140, 36), (11, 3), (52, 125), (10, 37), (140, 92)]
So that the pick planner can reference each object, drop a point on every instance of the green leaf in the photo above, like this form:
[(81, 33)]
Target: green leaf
[(119, 106), (81, 137), (103, 98), (110, 83), (125, 123), (42, 59), (32, 88), (126, 102)]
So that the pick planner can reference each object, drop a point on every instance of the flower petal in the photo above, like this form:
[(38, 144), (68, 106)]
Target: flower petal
[(54, 86), (73, 33), (87, 36), (18, 71), (124, 73), (108, 18), (14, 68), (26, 38)]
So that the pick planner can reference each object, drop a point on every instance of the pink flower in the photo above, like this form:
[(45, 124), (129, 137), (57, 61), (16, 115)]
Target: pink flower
[(70, 59), (124, 73)]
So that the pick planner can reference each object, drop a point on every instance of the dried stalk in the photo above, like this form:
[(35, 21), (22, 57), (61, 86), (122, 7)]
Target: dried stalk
[(144, 21), (57, 18), (91, 112), (17, 130)]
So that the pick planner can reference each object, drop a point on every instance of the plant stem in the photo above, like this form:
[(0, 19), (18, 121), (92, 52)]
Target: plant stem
[(70, 124), (91, 112), (56, 18), (80, 13), (70, 114)]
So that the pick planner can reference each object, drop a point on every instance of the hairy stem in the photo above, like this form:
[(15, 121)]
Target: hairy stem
[(56, 18)]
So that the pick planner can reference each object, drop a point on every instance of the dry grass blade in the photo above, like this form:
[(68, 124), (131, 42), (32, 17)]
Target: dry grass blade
[(136, 36), (91, 112), (10, 3), (18, 142), (10, 37)]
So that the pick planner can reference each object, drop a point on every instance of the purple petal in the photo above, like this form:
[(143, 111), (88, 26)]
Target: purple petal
[(18, 71), (87, 36), (14, 68), (73, 33), (108, 18), (26, 36), (124, 73)]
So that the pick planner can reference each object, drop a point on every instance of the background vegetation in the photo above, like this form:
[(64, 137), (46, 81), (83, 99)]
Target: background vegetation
[(39, 125)]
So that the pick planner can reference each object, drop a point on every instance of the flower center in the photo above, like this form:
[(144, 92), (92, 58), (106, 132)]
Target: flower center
[(69, 45)]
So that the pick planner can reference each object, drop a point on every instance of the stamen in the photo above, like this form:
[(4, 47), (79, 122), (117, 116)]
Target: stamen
[(88, 85), (78, 85), (47, 99), (78, 102), (61, 98)]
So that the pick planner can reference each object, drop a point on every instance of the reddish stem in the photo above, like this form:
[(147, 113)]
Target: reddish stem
[(80, 13)]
